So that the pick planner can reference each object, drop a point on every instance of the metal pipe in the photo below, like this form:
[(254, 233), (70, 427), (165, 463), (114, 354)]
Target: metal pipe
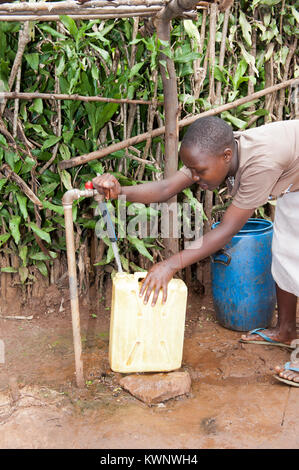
[(68, 198)]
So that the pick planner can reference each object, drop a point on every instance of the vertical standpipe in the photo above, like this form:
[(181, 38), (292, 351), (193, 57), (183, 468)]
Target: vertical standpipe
[(68, 198)]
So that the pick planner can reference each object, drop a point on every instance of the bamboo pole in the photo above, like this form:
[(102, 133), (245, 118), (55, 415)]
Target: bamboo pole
[(79, 16), (71, 5), (24, 39), (161, 130), (212, 53), (52, 11), (59, 96), (222, 53)]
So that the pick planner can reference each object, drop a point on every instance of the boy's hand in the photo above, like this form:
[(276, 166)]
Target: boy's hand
[(157, 278), (107, 185)]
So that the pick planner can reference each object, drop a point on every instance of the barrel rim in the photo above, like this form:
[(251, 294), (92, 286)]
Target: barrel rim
[(267, 226)]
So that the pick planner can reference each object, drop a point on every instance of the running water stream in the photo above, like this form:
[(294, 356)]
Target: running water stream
[(104, 211)]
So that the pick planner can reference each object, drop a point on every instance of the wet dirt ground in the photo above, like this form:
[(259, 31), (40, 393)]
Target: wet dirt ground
[(235, 403)]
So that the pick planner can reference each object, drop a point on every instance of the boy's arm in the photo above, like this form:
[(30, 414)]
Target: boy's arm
[(157, 191), (161, 273)]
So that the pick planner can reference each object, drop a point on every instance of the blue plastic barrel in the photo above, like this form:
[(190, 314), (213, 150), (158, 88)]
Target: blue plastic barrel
[(242, 284)]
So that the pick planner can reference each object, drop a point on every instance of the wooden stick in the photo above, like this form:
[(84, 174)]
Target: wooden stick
[(86, 11), (16, 317), (54, 15), (71, 5), (59, 96), (212, 53), (161, 130), (222, 53), (21, 183), (24, 39), (75, 9), (114, 16)]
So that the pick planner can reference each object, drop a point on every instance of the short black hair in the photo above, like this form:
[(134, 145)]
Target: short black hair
[(209, 134)]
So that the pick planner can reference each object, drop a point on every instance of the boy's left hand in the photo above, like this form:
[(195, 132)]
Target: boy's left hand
[(157, 278)]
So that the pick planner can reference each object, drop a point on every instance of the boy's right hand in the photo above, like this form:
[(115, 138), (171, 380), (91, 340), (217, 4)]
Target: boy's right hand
[(107, 185)]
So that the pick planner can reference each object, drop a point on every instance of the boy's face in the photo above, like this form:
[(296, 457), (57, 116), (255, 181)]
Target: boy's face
[(209, 171)]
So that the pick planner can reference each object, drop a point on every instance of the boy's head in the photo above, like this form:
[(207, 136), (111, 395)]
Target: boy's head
[(208, 149)]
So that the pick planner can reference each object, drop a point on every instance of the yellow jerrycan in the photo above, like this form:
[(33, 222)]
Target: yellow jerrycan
[(143, 338)]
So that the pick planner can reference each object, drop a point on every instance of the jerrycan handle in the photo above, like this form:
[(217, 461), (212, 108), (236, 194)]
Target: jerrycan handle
[(139, 275), (218, 257)]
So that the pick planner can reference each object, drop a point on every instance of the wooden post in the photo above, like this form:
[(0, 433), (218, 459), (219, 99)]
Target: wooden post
[(162, 22)]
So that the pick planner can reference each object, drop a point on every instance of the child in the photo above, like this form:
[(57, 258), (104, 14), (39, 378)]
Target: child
[(261, 162)]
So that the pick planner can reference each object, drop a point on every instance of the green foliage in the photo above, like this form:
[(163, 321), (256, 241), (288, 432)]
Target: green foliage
[(102, 58)]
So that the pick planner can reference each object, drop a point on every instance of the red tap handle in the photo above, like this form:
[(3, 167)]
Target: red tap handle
[(88, 185)]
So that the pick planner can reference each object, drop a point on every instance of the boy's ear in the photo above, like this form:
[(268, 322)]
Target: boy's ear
[(228, 154)]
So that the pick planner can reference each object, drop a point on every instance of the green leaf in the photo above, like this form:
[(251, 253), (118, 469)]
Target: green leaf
[(42, 268), (3, 141), (103, 53), (241, 69), (234, 120), (9, 269), (96, 166), (39, 232), (23, 273), (3, 238), (40, 256), (262, 112), (3, 181), (60, 66), (295, 13), (134, 267), (192, 31), (135, 69), (37, 106), (164, 64), (33, 60), (186, 99), (219, 73), (38, 128), (246, 28), (47, 189), (181, 59), (95, 72), (99, 36), (250, 60), (70, 25), (270, 2), (64, 152), (269, 53), (52, 140), (27, 165), (52, 31), (22, 201), (124, 262), (53, 207), (14, 223), (66, 179), (140, 247), (23, 253), (11, 158)]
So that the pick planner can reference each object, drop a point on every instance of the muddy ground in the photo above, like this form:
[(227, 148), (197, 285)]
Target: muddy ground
[(235, 403)]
